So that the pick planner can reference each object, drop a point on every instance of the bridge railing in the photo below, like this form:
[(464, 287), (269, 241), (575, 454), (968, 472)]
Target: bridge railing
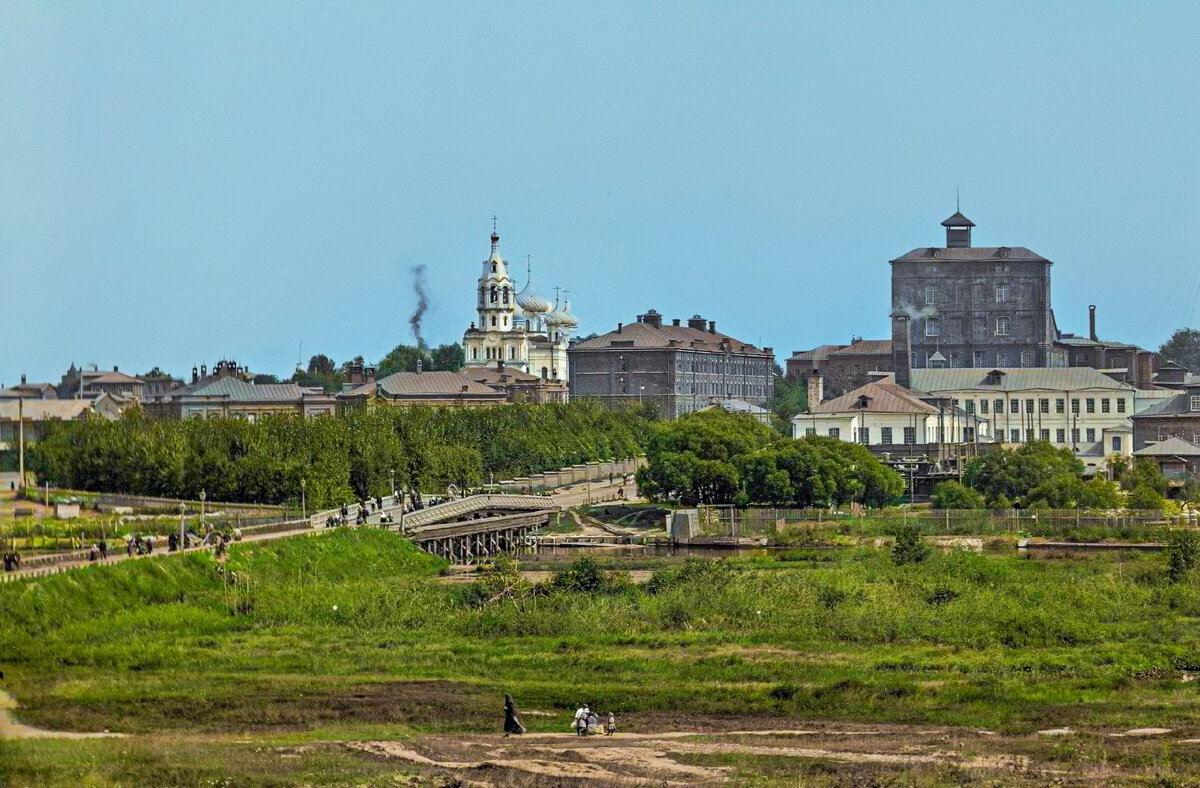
[(461, 507)]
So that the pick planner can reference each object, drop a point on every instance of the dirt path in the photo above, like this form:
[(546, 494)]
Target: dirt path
[(11, 729), (695, 758)]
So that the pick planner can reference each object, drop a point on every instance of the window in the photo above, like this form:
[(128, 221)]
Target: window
[(1043, 406), (834, 432), (1014, 436), (978, 358), (1116, 444), (1194, 402), (494, 293), (1001, 296), (1002, 326), (1075, 435), (1027, 358), (910, 435), (955, 359), (983, 406), (506, 294), (1002, 359), (1120, 406), (809, 431), (1014, 406), (999, 406), (1060, 406), (474, 354), (1074, 406), (933, 327), (1029, 436), (885, 435), (493, 321), (1029, 406), (931, 294), (1104, 405), (512, 352), (1060, 436), (1044, 435), (864, 436), (970, 407), (1091, 434), (1091, 405)]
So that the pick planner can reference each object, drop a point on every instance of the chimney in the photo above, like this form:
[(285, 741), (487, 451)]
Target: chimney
[(675, 322), (195, 375), (619, 327), (420, 365), (816, 389), (203, 370), (369, 374), (355, 374), (1092, 322), (712, 326), (22, 380), (651, 318), (901, 348), (115, 368), (696, 322)]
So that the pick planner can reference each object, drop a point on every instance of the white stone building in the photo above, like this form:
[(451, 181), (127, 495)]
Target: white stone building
[(882, 413), (522, 329)]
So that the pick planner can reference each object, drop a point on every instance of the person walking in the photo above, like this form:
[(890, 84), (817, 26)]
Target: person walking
[(611, 727), (103, 550), (512, 723), (581, 720), (172, 542)]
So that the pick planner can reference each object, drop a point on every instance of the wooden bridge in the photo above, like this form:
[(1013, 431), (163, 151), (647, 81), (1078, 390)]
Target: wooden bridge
[(478, 526)]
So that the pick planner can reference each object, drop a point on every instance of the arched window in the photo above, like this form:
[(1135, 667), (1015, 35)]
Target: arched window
[(474, 354), (506, 294), (545, 373), (493, 294), (512, 352), (493, 267), (493, 321)]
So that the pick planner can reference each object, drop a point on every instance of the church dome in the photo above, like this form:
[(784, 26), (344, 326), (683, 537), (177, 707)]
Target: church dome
[(566, 319), (530, 301)]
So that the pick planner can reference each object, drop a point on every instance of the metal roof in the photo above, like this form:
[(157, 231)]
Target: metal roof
[(1171, 447), (427, 384), (1015, 254), (1014, 379), (239, 390), (1167, 407), (866, 347), (644, 335), (45, 409), (958, 220), (880, 398)]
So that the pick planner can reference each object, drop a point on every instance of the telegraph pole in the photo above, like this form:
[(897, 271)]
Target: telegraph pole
[(21, 441)]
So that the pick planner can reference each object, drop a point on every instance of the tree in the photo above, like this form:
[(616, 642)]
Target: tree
[(264, 378), (953, 495), (1183, 554), (403, 358), (1013, 474), (1146, 497), (1145, 472), (447, 358), (789, 399), (321, 365), (1183, 348)]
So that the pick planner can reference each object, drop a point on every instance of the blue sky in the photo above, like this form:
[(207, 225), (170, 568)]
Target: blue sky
[(185, 182)]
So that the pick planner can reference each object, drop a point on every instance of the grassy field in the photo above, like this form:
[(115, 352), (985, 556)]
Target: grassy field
[(218, 669)]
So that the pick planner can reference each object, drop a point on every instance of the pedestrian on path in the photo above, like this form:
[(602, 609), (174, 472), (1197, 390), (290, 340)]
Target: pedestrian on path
[(581, 720), (103, 550), (512, 723)]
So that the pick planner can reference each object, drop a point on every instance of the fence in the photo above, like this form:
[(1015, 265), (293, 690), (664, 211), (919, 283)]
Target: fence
[(774, 522)]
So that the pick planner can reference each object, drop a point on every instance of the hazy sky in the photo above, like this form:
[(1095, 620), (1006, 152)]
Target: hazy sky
[(184, 182)]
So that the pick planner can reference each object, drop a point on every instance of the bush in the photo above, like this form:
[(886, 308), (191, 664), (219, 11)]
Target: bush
[(954, 495), (1146, 497), (909, 549), (1183, 553)]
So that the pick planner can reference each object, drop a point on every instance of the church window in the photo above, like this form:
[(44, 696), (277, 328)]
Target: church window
[(504, 320), (494, 295), (544, 373), (474, 354), (493, 321), (512, 352), (506, 294), (493, 267)]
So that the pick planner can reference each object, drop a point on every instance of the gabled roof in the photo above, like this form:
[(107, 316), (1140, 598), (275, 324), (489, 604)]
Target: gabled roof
[(426, 384), (1171, 406), (866, 347), (114, 377), (645, 335), (1014, 379), (817, 353), (882, 397), (237, 390), (490, 375), (1171, 447), (45, 409), (958, 220), (29, 391), (968, 253)]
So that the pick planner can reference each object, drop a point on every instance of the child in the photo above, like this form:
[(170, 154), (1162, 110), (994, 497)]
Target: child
[(611, 727)]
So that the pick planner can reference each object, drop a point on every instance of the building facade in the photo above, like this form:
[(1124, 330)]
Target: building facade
[(522, 329), (842, 367), (435, 389), (677, 368), (883, 414), (1177, 416), (518, 386), (227, 393)]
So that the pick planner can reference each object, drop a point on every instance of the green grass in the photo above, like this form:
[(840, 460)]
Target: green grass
[(348, 634)]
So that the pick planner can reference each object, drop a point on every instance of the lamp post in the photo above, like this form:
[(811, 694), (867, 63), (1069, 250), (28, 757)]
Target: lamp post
[(303, 499), (182, 532), (203, 495), (392, 473)]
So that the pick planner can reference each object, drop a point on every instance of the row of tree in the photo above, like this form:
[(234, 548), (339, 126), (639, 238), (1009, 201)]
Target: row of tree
[(324, 372), (339, 458), (716, 457), (1039, 476)]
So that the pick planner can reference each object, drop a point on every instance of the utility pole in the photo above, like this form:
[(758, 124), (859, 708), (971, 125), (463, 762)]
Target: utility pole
[(21, 441)]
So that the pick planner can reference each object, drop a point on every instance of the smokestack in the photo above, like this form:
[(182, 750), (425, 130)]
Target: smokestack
[(116, 368), (203, 370), (22, 380), (901, 348), (419, 366), (816, 389), (675, 322), (1092, 322), (712, 326)]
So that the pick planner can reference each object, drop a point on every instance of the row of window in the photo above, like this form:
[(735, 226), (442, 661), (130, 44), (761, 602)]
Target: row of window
[(933, 326), (864, 435), (1014, 435), (1043, 405), (1003, 294), (1060, 436), (494, 353), (494, 294)]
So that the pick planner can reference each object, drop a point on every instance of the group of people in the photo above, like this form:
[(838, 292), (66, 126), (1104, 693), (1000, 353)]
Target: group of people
[(98, 550), (12, 561), (588, 722), (136, 545)]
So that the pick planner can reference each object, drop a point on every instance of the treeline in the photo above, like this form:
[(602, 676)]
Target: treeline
[(1039, 475), (340, 458), (722, 458)]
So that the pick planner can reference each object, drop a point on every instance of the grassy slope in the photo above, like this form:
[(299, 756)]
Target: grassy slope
[(345, 636)]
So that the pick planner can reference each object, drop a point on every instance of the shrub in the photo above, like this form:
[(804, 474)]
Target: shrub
[(909, 549), (954, 495), (1145, 497), (1183, 553)]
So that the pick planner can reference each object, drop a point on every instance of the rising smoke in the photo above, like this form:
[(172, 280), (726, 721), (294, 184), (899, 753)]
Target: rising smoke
[(418, 272)]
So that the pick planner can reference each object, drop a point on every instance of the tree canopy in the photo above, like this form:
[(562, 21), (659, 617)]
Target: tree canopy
[(1183, 348), (1011, 475), (719, 457)]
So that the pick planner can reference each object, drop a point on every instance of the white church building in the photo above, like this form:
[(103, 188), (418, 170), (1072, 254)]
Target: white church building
[(519, 329)]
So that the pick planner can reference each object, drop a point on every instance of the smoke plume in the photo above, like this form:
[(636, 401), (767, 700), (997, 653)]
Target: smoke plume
[(418, 272)]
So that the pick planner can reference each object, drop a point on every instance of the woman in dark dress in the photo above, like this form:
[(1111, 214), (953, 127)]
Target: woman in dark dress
[(511, 723)]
